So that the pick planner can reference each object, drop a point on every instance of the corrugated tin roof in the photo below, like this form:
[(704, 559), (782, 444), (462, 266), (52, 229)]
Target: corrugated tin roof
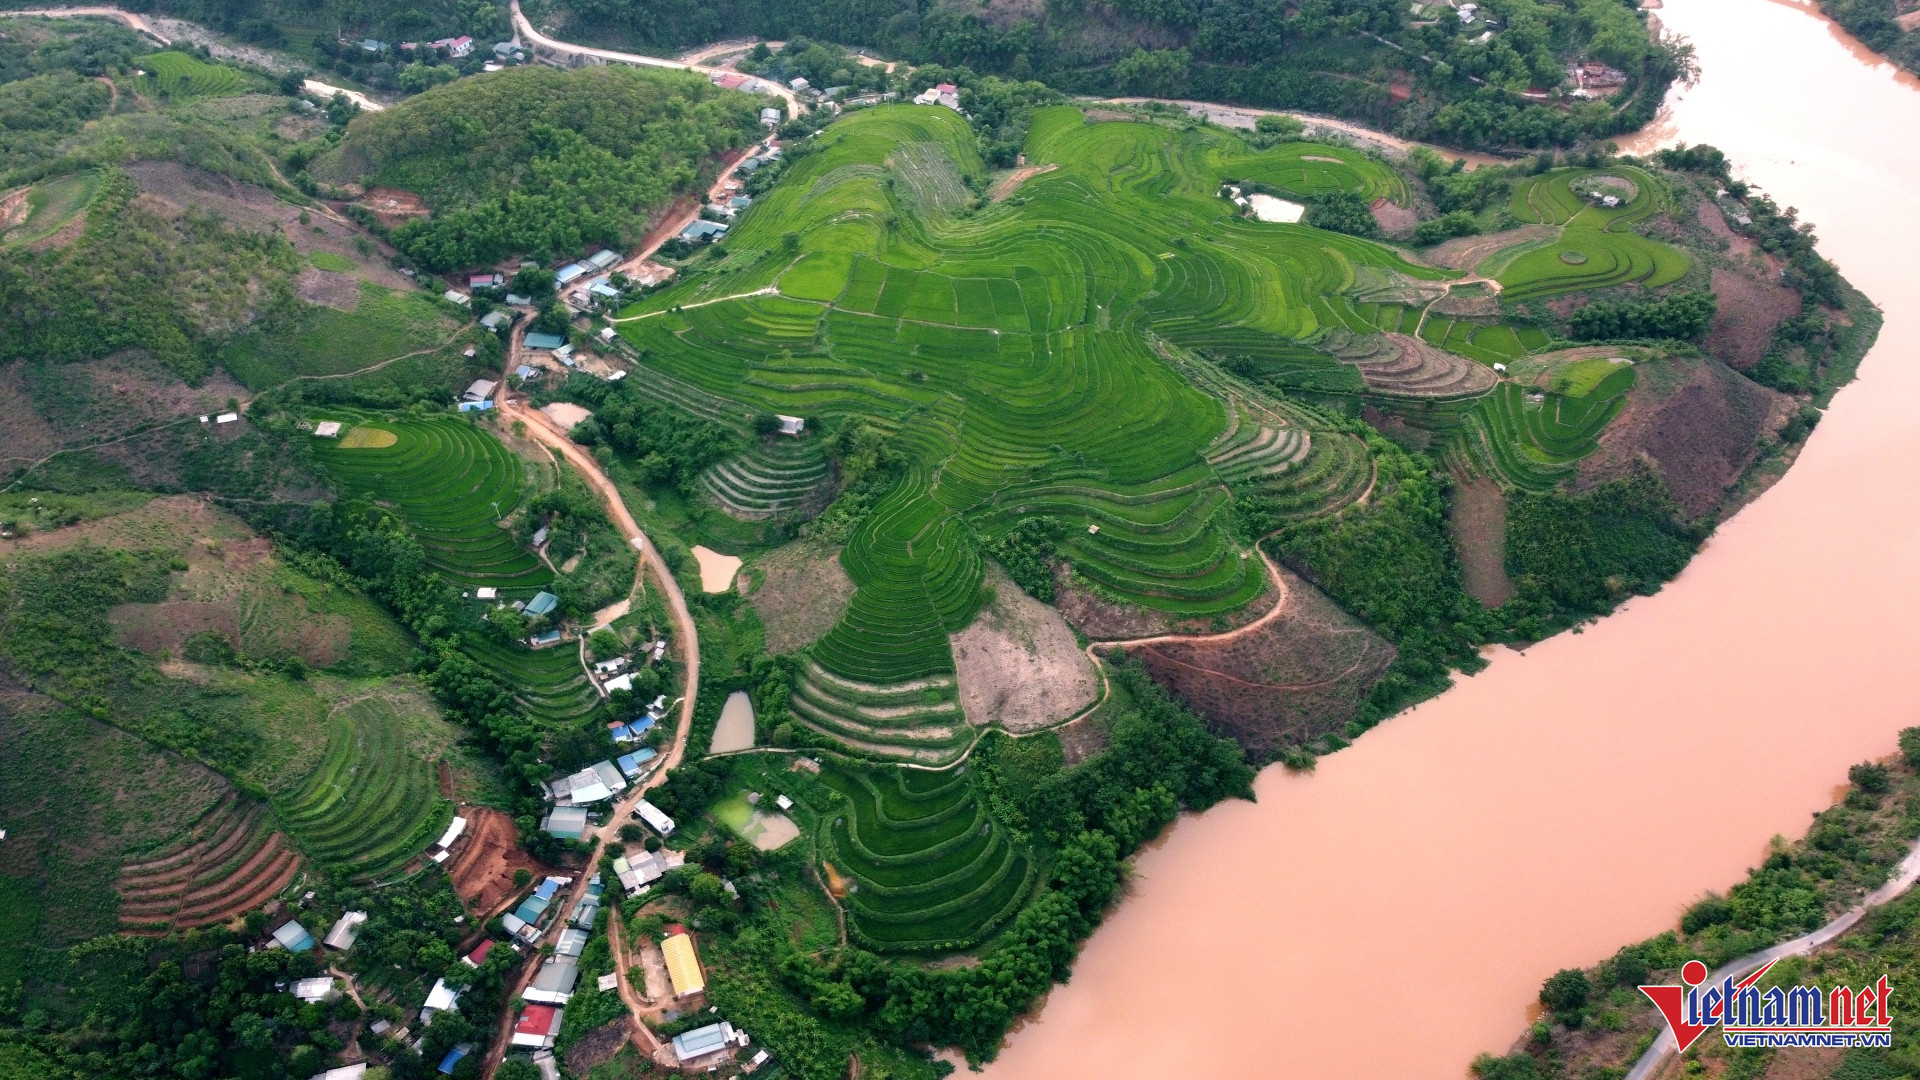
[(683, 965)]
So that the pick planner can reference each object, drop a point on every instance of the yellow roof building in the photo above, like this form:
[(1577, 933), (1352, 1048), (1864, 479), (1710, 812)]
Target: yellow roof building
[(683, 965)]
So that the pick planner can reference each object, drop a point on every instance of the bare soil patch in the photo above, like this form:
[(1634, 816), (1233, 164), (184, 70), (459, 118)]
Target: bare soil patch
[(1010, 183), (1394, 220), (1750, 310), (1477, 519), (1102, 620), (1289, 681), (1018, 663), (163, 629), (14, 208), (25, 435), (1467, 252), (394, 207), (717, 571), (1715, 222), (1083, 738), (482, 872), (317, 286), (803, 591), (566, 414), (1101, 116), (1698, 421)]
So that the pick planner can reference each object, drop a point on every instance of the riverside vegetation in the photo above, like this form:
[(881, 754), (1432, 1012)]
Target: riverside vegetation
[(1103, 376), (1599, 1023)]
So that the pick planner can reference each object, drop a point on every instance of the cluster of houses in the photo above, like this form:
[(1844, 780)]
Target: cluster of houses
[(453, 48), (1592, 79), (571, 796), (940, 94)]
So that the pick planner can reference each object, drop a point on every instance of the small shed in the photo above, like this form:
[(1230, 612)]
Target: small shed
[(481, 390), (319, 988), (293, 937), (455, 296), (791, 425), (486, 592), (654, 817), (226, 418), (770, 117), (344, 931), (494, 320), (327, 429), (566, 822), (454, 828)]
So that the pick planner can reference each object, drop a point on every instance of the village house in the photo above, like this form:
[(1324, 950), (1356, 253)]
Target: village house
[(683, 963)]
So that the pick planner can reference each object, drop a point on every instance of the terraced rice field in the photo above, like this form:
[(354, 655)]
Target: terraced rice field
[(230, 862), (769, 479), (1532, 438), (178, 76), (372, 804), (452, 482), (1597, 246), (549, 683), (931, 870), (1018, 355)]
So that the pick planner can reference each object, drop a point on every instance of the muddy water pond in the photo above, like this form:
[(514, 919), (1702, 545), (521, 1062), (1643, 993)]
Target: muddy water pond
[(1394, 913)]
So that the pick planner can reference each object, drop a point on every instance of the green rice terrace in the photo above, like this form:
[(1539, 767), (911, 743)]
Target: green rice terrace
[(929, 870), (1082, 350), (453, 482), (373, 804)]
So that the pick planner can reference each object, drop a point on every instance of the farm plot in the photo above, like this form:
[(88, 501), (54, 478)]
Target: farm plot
[(931, 871), (1597, 246), (768, 479), (40, 211), (1532, 439), (452, 482), (230, 862), (1012, 357), (373, 804), (178, 76)]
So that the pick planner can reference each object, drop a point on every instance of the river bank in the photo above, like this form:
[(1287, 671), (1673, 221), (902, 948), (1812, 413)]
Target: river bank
[(1531, 823)]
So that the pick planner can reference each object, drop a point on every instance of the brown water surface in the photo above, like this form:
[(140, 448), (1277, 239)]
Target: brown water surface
[(1394, 914)]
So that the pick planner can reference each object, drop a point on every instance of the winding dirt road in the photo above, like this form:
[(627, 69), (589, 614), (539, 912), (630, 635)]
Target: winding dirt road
[(524, 29), (687, 644)]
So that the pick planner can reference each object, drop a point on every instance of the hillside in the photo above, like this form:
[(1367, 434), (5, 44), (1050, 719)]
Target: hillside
[(1886, 26), (1422, 73), (1133, 453), (541, 162)]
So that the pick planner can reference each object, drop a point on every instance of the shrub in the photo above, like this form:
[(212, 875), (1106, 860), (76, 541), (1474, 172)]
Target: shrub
[(1341, 212), (1871, 778), (1566, 990), (1682, 317)]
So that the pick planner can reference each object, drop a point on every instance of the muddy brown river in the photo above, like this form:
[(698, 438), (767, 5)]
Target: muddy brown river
[(1393, 914)]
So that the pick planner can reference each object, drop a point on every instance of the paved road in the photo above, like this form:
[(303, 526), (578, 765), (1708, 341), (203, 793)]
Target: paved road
[(1904, 877), (525, 29)]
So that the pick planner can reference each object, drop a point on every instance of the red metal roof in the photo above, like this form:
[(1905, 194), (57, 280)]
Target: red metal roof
[(537, 1020)]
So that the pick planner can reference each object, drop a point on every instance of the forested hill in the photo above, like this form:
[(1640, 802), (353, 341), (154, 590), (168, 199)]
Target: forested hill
[(1361, 59), (1881, 26), (539, 160)]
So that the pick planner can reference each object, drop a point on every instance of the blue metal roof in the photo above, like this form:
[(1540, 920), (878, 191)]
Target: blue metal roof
[(542, 603)]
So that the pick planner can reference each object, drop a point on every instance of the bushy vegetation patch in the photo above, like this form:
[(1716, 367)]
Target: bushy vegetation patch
[(564, 160)]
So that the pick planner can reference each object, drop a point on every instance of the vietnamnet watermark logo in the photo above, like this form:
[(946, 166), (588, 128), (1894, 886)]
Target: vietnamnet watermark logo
[(1781, 1016)]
